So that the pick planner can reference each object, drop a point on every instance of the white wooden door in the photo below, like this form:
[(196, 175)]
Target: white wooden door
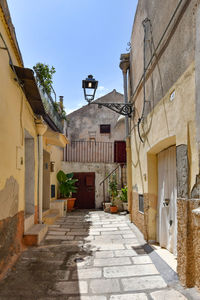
[(167, 208)]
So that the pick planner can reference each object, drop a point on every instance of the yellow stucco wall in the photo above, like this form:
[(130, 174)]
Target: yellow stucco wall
[(169, 123), (16, 116), (56, 155)]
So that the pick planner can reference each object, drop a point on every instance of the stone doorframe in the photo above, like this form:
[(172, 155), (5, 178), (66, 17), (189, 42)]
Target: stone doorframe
[(182, 173), (29, 173)]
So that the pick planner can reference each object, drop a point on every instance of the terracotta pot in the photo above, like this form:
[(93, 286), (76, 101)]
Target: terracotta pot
[(70, 203), (113, 209)]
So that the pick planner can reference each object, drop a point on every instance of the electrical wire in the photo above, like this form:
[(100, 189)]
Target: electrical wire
[(143, 77)]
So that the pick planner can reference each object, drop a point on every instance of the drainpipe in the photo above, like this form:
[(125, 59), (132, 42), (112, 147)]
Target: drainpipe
[(124, 66), (41, 129)]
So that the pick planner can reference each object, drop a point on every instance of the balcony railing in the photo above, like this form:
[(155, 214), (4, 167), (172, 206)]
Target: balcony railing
[(90, 151), (50, 110)]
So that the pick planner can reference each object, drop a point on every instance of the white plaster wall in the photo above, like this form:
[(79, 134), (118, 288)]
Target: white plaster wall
[(100, 169)]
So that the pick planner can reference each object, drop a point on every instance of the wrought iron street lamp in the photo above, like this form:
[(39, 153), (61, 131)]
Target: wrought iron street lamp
[(90, 85)]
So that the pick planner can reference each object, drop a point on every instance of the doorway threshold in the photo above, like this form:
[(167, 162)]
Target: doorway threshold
[(167, 256)]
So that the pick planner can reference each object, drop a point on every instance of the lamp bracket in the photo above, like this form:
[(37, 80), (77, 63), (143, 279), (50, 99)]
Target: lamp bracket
[(120, 108)]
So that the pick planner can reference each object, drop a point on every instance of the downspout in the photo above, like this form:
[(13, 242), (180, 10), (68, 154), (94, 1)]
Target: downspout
[(41, 129), (124, 66)]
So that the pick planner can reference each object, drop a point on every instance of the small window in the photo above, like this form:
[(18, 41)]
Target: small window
[(141, 203), (105, 128), (53, 191)]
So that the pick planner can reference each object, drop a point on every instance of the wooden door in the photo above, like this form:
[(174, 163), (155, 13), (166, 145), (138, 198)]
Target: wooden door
[(85, 196), (167, 216), (120, 152)]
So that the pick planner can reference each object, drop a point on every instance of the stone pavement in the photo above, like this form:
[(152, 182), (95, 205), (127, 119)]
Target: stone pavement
[(92, 255)]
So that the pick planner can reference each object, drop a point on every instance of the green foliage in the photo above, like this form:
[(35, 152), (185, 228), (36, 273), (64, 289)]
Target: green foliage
[(113, 188), (44, 75), (66, 184), (124, 196)]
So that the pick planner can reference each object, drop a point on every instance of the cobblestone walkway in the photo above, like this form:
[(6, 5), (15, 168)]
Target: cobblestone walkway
[(92, 255)]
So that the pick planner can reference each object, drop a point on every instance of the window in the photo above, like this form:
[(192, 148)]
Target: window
[(53, 191), (105, 128), (141, 203)]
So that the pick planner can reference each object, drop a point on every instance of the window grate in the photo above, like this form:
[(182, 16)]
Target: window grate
[(141, 203), (105, 128)]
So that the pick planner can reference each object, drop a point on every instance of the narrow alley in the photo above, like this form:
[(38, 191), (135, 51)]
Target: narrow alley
[(92, 255)]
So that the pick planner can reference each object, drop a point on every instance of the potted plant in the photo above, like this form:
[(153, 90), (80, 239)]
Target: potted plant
[(113, 193), (124, 197), (67, 187)]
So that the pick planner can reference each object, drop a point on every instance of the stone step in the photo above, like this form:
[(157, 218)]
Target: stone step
[(28, 221), (35, 234), (51, 217)]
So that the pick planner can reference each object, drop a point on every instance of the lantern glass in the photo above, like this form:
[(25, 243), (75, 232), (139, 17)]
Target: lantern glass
[(89, 86)]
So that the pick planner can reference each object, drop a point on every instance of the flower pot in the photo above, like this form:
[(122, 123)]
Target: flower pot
[(70, 203), (113, 209), (125, 206)]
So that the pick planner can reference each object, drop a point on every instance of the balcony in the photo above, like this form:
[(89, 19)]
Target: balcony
[(90, 152), (96, 152), (51, 116)]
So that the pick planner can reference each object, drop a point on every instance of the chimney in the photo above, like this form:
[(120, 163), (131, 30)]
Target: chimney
[(61, 102)]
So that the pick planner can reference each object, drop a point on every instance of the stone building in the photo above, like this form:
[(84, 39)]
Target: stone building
[(97, 146), (164, 81), (31, 141)]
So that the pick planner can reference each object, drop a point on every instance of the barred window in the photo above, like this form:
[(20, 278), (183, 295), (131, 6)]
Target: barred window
[(105, 128), (141, 203)]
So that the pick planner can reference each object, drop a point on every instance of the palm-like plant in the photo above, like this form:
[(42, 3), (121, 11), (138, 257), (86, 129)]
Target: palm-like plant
[(66, 184)]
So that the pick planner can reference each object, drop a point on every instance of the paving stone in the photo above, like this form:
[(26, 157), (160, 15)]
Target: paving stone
[(88, 298), (72, 243), (110, 246), (143, 283), (54, 226), (144, 259), (123, 253), (138, 296), (62, 275), (110, 233), (132, 246), (99, 286), (129, 236), (167, 294), (104, 254), (122, 231), (108, 238), (55, 237), (56, 233), (76, 233), (72, 287), (112, 261), (126, 271), (110, 225), (107, 229), (79, 230), (56, 229), (87, 273)]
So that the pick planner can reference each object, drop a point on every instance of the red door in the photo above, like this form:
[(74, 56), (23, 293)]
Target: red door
[(120, 152), (85, 196)]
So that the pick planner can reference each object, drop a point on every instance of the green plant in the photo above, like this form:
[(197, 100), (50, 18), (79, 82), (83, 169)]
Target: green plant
[(44, 75), (113, 188), (123, 195), (66, 184)]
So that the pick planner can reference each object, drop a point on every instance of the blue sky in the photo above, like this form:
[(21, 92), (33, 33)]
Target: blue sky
[(77, 37)]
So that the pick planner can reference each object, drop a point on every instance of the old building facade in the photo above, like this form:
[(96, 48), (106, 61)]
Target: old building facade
[(97, 141), (164, 89), (30, 138)]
